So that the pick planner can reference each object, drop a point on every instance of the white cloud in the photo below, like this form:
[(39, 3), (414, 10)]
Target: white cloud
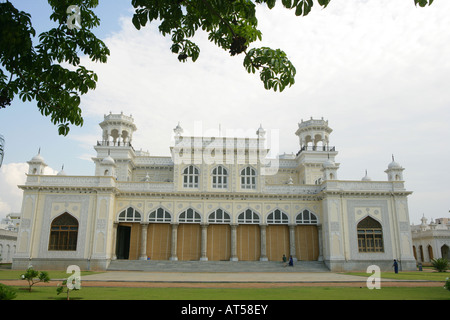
[(11, 176), (377, 70)]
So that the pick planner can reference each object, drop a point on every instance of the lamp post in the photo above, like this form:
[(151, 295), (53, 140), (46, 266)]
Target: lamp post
[(2, 149)]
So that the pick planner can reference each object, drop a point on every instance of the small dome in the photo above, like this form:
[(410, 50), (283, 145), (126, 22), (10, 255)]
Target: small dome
[(394, 165), (108, 160), (366, 178), (329, 163), (62, 173), (37, 158)]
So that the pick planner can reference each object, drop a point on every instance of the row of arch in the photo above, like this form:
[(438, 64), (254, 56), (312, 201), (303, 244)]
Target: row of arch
[(219, 176), (421, 257), (190, 215)]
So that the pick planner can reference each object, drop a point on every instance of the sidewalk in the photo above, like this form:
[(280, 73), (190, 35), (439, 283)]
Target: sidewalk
[(219, 277)]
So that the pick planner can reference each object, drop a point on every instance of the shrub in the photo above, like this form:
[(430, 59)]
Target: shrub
[(7, 293), (60, 288), (31, 274), (447, 284), (440, 264)]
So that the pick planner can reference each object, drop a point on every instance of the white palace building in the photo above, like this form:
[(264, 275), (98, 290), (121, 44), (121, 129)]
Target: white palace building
[(214, 198)]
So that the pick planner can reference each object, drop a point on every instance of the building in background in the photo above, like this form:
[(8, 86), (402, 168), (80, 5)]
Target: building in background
[(431, 241), (214, 198), (8, 241), (11, 222)]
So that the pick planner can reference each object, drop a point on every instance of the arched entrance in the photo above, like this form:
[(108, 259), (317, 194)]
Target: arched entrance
[(306, 236), (277, 235), (219, 236), (445, 252), (248, 236), (128, 231)]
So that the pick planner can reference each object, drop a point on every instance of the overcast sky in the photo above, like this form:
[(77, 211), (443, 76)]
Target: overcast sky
[(377, 70)]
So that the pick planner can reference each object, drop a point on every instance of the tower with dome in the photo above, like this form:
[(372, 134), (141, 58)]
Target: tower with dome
[(213, 199)]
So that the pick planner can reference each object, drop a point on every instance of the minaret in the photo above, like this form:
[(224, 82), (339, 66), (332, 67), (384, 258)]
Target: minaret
[(316, 156), (329, 170), (36, 164), (314, 135), (394, 171), (115, 153), (117, 129)]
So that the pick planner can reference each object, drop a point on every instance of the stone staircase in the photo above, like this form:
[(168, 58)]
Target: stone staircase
[(215, 266)]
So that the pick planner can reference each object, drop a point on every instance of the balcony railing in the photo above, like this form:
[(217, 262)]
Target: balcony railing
[(317, 148), (114, 144)]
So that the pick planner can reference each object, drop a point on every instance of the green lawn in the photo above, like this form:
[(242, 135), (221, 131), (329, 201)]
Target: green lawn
[(409, 275), (286, 293)]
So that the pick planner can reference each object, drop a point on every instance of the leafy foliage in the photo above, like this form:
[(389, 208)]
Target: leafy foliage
[(423, 3), (7, 293), (60, 288), (440, 264), (32, 276), (50, 72)]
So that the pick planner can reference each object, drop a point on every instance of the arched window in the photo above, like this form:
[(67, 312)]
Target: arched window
[(219, 216), (220, 178), (190, 215), (277, 217), (190, 177), (248, 216), (370, 235), (159, 215), (64, 233), (248, 178), (306, 217), (130, 215)]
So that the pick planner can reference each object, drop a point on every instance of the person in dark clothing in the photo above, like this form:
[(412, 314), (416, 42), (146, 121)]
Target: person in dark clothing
[(395, 265)]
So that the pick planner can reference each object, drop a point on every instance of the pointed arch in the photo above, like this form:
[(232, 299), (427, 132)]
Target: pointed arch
[(306, 217), (190, 216), (129, 215), (219, 216), (370, 235), (160, 215), (277, 217), (63, 233), (248, 217)]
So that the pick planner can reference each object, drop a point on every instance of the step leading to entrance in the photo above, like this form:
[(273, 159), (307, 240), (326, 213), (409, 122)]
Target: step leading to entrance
[(215, 266)]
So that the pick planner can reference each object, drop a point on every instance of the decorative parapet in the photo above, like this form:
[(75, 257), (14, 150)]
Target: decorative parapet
[(381, 187), (291, 189), (140, 187), (74, 182)]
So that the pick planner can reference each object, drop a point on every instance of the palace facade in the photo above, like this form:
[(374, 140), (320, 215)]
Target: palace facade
[(214, 198)]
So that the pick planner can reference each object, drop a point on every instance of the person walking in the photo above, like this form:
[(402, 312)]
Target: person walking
[(395, 265), (291, 261)]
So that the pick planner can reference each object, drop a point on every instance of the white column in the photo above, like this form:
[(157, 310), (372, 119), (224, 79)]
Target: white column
[(143, 255), (262, 229), (114, 241), (204, 239), (319, 232), (292, 242), (233, 242)]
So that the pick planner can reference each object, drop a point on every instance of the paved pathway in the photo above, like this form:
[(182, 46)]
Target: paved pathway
[(218, 277)]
